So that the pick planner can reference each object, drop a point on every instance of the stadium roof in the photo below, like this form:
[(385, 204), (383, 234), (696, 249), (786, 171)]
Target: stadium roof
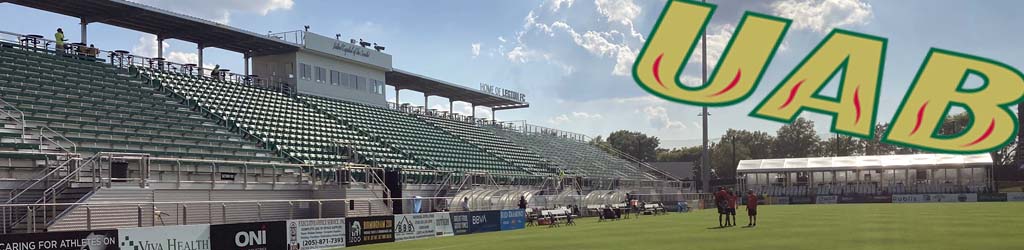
[(863, 162), (401, 79), (163, 23)]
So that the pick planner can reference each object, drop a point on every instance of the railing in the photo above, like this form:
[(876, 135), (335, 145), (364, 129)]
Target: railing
[(296, 36), (51, 190), (124, 59), (20, 121), (646, 166), (42, 135)]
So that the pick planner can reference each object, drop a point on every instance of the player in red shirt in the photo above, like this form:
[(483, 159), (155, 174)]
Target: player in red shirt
[(751, 208), (720, 202), (732, 208)]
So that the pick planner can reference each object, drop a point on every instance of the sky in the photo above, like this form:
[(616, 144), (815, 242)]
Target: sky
[(572, 58)]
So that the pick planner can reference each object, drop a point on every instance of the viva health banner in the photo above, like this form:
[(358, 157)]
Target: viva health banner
[(192, 237), (443, 225), (71, 240), (513, 219), (316, 233), (414, 226)]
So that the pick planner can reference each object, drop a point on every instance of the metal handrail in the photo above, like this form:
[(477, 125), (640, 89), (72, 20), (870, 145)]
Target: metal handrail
[(44, 177), (644, 164), (74, 147), (20, 114)]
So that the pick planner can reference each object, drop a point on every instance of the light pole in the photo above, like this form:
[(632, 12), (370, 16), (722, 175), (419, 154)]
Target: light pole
[(705, 163)]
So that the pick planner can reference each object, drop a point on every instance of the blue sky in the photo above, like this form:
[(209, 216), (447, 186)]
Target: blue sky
[(572, 57)]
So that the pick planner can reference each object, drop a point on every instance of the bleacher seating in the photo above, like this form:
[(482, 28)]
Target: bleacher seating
[(579, 157), (490, 142), (103, 110), (281, 122), (416, 137)]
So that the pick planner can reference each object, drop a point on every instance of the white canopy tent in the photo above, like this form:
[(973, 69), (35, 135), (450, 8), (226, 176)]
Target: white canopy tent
[(864, 163)]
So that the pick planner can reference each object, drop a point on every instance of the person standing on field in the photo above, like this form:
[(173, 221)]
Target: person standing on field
[(751, 208)]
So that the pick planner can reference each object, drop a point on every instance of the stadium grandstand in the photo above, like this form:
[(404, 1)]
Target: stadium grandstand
[(309, 121)]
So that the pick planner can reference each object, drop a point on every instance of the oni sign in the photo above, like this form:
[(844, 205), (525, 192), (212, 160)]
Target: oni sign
[(937, 87)]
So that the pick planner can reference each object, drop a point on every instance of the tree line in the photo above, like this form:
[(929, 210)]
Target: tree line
[(795, 140)]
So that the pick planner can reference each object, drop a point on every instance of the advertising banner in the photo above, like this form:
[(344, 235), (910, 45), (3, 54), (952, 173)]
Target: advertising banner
[(443, 225), (71, 240), (801, 200), (783, 200), (1015, 196), (909, 198), (513, 219), (249, 236), (484, 221), (370, 230), (865, 199), (460, 223), (985, 197), (414, 226), (826, 199), (316, 233), (193, 237)]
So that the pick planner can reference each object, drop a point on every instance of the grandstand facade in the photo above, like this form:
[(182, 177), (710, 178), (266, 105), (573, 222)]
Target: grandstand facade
[(309, 121)]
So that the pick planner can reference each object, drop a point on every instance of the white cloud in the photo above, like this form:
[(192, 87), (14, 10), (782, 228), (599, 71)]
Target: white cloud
[(574, 117), (502, 39), (147, 46), (519, 54), (219, 10), (718, 38), (659, 119), (820, 16), (622, 11), (557, 4), (475, 48)]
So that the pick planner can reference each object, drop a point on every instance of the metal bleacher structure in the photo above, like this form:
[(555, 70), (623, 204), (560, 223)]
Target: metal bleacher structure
[(86, 135)]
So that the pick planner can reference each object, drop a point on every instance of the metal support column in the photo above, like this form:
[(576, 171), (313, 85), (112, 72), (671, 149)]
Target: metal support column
[(246, 60), (85, 31), (159, 46), (199, 47)]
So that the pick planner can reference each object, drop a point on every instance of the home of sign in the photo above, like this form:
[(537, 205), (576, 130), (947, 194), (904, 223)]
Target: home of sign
[(937, 87)]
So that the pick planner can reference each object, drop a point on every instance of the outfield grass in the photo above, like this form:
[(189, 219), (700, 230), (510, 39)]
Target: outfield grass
[(985, 226)]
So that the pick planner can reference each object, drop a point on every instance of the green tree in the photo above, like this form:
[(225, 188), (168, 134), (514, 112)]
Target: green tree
[(796, 140), (686, 154), (842, 145), (635, 144)]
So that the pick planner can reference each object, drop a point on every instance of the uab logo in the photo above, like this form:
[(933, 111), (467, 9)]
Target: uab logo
[(937, 87)]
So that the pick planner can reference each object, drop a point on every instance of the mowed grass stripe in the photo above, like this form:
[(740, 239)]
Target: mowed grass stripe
[(843, 226)]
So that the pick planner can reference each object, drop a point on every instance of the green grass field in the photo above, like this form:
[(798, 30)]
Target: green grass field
[(985, 226)]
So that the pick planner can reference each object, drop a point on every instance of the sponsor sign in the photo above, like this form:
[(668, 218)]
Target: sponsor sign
[(192, 237), (909, 198), (484, 221), (370, 230), (986, 197), (513, 219), (414, 226), (865, 199), (801, 200), (460, 223), (315, 233), (826, 199), (71, 240), (443, 225), (1015, 196), (249, 236)]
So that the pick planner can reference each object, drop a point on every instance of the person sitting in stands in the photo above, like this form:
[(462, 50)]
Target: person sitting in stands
[(215, 73)]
